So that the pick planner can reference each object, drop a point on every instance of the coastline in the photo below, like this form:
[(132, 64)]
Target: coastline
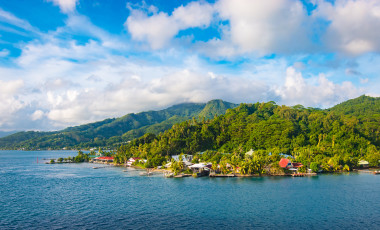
[(167, 172), (180, 175)]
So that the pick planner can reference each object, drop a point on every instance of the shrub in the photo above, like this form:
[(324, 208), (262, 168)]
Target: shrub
[(314, 166)]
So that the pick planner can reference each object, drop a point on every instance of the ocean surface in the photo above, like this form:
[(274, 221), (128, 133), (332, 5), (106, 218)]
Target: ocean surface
[(76, 196)]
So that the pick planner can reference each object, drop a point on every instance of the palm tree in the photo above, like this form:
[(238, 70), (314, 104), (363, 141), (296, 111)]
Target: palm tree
[(214, 166)]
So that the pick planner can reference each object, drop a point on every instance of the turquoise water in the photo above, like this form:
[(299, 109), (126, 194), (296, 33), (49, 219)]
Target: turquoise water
[(76, 196)]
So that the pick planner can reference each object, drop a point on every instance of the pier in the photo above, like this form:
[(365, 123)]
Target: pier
[(303, 174), (222, 175)]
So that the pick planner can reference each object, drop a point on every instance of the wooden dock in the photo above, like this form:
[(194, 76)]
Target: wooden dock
[(303, 174), (222, 175)]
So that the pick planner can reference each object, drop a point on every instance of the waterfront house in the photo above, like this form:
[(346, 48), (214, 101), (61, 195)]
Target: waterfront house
[(186, 164), (286, 163), (186, 159), (363, 164), (201, 168), (132, 160), (104, 159)]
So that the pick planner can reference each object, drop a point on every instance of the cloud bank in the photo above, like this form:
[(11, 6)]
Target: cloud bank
[(259, 51)]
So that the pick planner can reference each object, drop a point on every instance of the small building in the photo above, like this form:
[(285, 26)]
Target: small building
[(201, 169), (104, 159), (185, 164), (132, 160), (286, 163), (185, 157), (363, 164)]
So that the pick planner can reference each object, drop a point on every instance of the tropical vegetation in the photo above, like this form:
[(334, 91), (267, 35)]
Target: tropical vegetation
[(329, 140)]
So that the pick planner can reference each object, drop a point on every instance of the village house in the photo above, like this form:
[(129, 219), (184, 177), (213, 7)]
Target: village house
[(286, 163), (132, 160), (103, 159), (201, 169), (186, 160), (363, 164)]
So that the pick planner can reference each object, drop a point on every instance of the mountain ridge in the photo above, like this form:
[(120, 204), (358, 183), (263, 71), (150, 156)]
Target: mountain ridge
[(115, 131), (96, 133)]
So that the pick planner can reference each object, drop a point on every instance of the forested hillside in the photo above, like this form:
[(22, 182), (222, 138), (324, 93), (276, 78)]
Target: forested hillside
[(362, 106), (330, 137), (115, 131)]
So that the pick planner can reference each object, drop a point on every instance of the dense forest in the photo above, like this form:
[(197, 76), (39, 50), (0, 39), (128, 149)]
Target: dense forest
[(332, 140), (111, 133)]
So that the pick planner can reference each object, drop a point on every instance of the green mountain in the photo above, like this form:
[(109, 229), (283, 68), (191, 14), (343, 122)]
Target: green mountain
[(359, 107), (332, 138), (116, 130)]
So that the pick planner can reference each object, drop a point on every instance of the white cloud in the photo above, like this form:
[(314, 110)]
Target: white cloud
[(38, 114), (10, 101), (159, 28), (353, 27), (133, 94), (194, 14), (79, 24), (20, 24), (57, 81), (373, 94), (264, 27), (317, 91), (66, 6)]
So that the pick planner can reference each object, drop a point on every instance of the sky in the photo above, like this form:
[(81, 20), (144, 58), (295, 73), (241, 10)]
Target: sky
[(70, 62)]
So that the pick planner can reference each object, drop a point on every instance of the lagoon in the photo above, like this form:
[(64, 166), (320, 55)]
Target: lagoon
[(76, 196)]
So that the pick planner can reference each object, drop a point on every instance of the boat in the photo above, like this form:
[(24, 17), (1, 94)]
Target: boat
[(376, 172), (95, 167)]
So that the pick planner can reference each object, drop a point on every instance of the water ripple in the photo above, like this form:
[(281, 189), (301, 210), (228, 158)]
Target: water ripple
[(74, 196)]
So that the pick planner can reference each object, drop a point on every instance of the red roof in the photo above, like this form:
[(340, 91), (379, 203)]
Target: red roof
[(105, 158), (284, 162)]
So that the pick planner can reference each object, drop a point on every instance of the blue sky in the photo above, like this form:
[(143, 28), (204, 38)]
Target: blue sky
[(69, 62)]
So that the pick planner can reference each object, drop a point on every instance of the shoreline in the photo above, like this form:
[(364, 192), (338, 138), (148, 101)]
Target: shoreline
[(151, 171), (155, 170)]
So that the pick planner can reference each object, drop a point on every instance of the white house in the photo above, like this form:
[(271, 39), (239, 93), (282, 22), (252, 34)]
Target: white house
[(132, 160), (363, 163)]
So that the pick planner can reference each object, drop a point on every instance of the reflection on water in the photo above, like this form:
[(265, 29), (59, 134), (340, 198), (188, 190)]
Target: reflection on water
[(76, 196)]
